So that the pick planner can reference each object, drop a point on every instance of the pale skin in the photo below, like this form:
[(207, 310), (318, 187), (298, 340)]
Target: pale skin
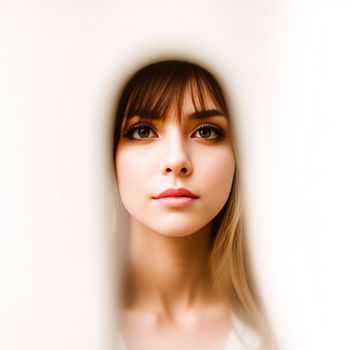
[(169, 303)]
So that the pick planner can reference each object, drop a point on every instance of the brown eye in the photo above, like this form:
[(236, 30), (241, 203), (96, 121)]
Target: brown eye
[(140, 132), (209, 132), (143, 132), (205, 133)]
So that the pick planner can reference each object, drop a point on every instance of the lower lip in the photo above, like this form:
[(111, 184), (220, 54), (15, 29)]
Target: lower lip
[(175, 202)]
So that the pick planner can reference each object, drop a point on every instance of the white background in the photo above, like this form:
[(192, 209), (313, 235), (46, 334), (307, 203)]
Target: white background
[(286, 66)]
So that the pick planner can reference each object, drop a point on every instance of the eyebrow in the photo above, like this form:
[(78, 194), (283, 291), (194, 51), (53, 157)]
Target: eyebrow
[(207, 113)]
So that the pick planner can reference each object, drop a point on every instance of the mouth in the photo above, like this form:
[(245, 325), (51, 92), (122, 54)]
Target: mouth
[(176, 192), (175, 198)]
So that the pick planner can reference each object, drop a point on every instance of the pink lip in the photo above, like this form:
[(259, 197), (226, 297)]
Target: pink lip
[(176, 192), (176, 198)]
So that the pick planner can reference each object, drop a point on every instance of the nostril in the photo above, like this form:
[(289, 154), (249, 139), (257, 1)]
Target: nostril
[(183, 170)]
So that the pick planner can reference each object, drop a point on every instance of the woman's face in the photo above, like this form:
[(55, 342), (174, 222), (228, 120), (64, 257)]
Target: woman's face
[(193, 153)]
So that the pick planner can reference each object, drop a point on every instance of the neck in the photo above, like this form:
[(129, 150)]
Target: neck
[(167, 273)]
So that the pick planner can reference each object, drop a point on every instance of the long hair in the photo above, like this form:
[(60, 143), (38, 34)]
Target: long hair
[(155, 89)]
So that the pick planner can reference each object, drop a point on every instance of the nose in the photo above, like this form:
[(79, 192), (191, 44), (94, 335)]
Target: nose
[(176, 158)]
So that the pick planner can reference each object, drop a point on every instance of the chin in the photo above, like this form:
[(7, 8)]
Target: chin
[(177, 230)]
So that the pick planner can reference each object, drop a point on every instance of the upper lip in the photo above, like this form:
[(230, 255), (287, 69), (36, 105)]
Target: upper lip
[(176, 192)]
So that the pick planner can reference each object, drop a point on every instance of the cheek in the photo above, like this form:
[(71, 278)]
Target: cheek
[(128, 176), (225, 167), (217, 172), (133, 168)]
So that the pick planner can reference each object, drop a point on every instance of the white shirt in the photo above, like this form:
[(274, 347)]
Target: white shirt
[(242, 337)]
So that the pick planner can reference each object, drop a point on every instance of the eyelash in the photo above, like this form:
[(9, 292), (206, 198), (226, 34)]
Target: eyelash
[(219, 131)]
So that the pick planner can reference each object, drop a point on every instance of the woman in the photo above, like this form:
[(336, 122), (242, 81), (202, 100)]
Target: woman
[(187, 284)]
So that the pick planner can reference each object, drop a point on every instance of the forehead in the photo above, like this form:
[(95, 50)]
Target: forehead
[(191, 107), (192, 102)]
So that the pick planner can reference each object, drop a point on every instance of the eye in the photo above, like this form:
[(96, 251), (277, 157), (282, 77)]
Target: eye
[(140, 132), (209, 132)]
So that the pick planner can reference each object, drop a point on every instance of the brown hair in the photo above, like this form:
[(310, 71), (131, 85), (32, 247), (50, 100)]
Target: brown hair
[(154, 89), (159, 86)]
